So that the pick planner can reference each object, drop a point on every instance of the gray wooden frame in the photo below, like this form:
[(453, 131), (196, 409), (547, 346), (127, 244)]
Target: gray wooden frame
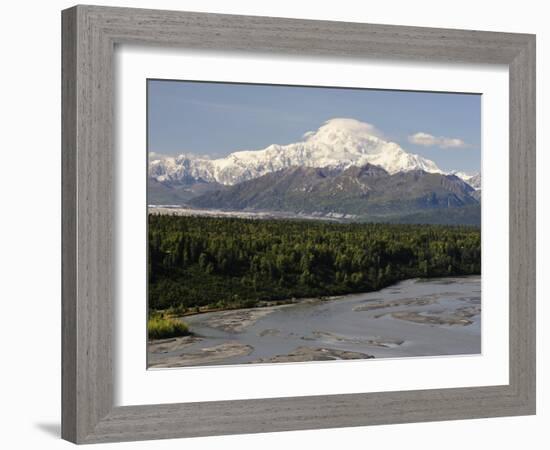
[(89, 36)]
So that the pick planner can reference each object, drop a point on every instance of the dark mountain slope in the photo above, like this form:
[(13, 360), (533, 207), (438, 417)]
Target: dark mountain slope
[(363, 192)]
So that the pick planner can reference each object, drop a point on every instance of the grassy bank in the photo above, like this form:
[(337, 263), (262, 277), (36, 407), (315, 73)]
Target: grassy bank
[(160, 327)]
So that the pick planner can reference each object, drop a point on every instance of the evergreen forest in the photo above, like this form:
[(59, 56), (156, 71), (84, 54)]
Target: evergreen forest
[(197, 263)]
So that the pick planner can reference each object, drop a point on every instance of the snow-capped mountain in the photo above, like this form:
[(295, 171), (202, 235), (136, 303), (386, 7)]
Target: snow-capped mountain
[(339, 143), (473, 179)]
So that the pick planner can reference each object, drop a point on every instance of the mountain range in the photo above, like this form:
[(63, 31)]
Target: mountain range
[(367, 191), (344, 169)]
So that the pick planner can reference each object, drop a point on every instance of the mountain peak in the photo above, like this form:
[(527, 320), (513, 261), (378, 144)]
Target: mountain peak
[(366, 170), (343, 138), (336, 128), (473, 179), (338, 143)]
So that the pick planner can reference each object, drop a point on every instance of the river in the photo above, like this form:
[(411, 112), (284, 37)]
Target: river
[(419, 317)]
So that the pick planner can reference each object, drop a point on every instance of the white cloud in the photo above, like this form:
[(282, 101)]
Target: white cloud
[(428, 140)]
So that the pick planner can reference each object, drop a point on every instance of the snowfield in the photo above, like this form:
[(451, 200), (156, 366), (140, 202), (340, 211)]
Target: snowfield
[(339, 143)]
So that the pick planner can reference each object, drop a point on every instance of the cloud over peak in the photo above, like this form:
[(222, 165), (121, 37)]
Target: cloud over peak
[(428, 140)]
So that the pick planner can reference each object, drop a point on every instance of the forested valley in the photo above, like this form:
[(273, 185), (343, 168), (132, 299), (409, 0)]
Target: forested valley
[(197, 262)]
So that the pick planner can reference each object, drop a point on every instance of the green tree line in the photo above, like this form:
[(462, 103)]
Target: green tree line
[(231, 262)]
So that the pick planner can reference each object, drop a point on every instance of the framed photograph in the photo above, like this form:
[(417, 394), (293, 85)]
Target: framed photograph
[(277, 224)]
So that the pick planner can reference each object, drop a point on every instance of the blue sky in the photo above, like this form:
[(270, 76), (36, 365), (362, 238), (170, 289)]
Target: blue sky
[(218, 118)]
